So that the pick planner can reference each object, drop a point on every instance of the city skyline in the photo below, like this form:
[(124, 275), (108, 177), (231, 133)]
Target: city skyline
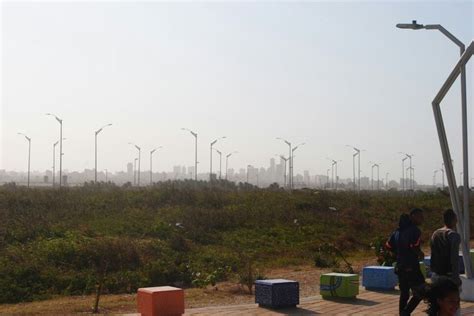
[(299, 82)]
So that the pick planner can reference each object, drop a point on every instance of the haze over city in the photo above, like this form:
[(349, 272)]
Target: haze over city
[(326, 74)]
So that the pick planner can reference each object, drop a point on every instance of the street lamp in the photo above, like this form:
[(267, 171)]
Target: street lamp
[(293, 160), (220, 163), (327, 178), (97, 133), (151, 163), (212, 144), (386, 180), (378, 178), (135, 171), (60, 121), (29, 155), (54, 161), (195, 150), (284, 168), (290, 168), (357, 153), (334, 163), (227, 162), (462, 71), (411, 176), (139, 160)]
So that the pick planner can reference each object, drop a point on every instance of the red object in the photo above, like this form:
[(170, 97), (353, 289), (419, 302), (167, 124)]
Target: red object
[(160, 301)]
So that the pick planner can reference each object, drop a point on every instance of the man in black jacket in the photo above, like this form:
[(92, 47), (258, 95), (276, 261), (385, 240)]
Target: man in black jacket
[(405, 243)]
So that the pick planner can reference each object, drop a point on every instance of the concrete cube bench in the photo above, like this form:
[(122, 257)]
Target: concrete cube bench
[(160, 301), (277, 293), (379, 278), (339, 285)]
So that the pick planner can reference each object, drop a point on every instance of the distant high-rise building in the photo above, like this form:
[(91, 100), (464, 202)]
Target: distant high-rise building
[(191, 172), (306, 178), (130, 169)]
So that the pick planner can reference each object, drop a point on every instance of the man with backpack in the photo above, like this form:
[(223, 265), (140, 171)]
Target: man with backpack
[(405, 244)]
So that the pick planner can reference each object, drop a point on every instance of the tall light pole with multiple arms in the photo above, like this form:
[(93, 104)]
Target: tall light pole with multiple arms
[(139, 161), (97, 133), (29, 155), (211, 145), (293, 160), (334, 163), (290, 168), (409, 156), (374, 164), (151, 163), (462, 71), (195, 150), (227, 162), (220, 163), (60, 121), (95, 138), (356, 154), (54, 161), (284, 168), (135, 171)]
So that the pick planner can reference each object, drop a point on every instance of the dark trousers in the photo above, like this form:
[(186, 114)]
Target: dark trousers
[(410, 280)]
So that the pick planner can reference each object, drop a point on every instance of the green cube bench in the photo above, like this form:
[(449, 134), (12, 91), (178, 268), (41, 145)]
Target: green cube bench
[(339, 285)]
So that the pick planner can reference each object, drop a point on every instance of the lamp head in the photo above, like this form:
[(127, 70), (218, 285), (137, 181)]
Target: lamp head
[(410, 26)]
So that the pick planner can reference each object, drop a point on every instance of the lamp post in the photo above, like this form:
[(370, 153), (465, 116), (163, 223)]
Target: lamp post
[(415, 26), (356, 154), (97, 133), (248, 168), (409, 156), (151, 163), (227, 163), (463, 215), (220, 163), (372, 177), (293, 160), (434, 178), (139, 161), (386, 180), (195, 151), (29, 155), (210, 168), (284, 168), (290, 168), (60, 121), (334, 163), (327, 177), (442, 177), (54, 161), (135, 171)]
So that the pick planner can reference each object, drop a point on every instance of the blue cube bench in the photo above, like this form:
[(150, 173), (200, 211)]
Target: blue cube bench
[(277, 293), (427, 261), (379, 278)]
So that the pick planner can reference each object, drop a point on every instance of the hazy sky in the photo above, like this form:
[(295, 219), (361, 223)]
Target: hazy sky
[(324, 73)]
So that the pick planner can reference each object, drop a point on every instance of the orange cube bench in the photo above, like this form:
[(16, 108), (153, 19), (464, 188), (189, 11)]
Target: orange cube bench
[(160, 301)]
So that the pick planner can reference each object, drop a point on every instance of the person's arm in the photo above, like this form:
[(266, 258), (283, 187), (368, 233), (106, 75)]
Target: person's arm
[(454, 240), (415, 243)]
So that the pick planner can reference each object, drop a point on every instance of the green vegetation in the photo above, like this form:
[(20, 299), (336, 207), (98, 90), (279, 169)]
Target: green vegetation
[(107, 239)]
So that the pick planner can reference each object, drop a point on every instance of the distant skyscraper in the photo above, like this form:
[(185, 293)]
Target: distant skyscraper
[(130, 169), (306, 178)]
